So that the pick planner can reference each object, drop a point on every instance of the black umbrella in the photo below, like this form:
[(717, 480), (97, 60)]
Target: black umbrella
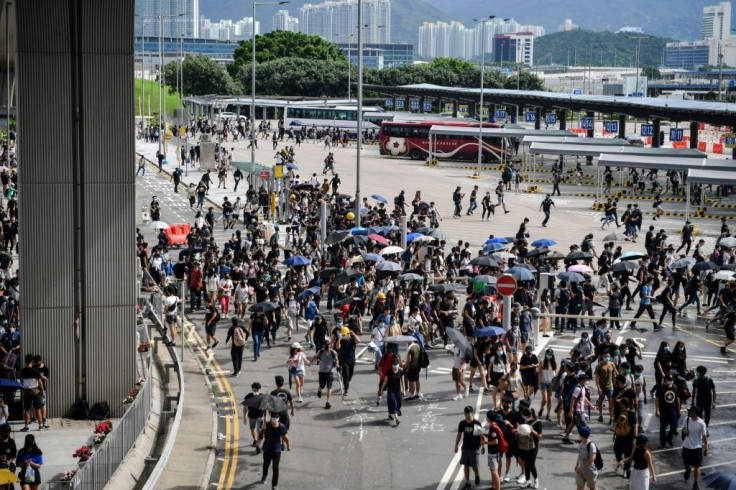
[(355, 240), (580, 256), (345, 276), (264, 402), (625, 265), (446, 287), (484, 261), (336, 237), (328, 271), (422, 229), (729, 267), (303, 187), (183, 253), (568, 276), (705, 265), (528, 267), (264, 307), (347, 301), (538, 251)]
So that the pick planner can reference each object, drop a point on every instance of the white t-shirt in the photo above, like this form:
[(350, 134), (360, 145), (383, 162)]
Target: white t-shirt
[(695, 431), (378, 334), (459, 359), (227, 287), (172, 302)]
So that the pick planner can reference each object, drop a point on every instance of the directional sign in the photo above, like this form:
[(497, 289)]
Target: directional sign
[(586, 123), (485, 112), (577, 91), (729, 139), (676, 134), (530, 116), (427, 106), (647, 130), (637, 94), (449, 107), (463, 109), (399, 103), (414, 105), (611, 126), (506, 285), (550, 118), (500, 113), (389, 102)]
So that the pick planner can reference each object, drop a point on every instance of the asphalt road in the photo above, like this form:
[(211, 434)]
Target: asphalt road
[(353, 446)]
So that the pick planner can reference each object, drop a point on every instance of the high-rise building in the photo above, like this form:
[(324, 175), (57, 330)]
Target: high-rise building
[(688, 55), (281, 21), (567, 26), (337, 21), (446, 40), (180, 17), (227, 30), (514, 48), (537, 31), (717, 21)]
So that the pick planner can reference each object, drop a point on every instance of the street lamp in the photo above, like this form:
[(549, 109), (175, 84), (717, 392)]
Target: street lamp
[(253, 81), (482, 72), (638, 56), (359, 122), (349, 37)]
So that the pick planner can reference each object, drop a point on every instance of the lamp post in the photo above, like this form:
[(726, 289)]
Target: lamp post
[(162, 79), (350, 40), (359, 122), (253, 81), (482, 84), (638, 56)]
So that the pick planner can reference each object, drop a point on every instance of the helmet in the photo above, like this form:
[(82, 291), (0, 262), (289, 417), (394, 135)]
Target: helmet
[(381, 296)]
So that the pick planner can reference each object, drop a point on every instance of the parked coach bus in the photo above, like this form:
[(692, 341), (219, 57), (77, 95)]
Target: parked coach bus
[(404, 138)]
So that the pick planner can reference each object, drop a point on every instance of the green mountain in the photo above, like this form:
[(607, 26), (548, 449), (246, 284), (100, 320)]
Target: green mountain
[(406, 15)]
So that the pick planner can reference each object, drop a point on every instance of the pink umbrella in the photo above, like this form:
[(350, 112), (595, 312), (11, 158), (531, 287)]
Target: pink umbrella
[(378, 238), (581, 268)]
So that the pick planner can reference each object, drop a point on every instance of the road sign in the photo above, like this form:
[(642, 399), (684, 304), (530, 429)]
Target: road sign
[(586, 123), (577, 91), (264, 174), (463, 109), (637, 94), (414, 105), (500, 113), (427, 106), (399, 103), (676, 134), (389, 102), (647, 130), (611, 126), (729, 139), (530, 116), (506, 285), (550, 118)]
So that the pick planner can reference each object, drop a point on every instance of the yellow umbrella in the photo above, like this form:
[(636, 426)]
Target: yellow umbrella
[(7, 477)]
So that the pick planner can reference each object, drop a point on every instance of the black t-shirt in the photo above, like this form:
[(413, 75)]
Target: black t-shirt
[(471, 442), (285, 395), (28, 374), (667, 396), (492, 436), (253, 413), (529, 361), (394, 380), (703, 391), (8, 449)]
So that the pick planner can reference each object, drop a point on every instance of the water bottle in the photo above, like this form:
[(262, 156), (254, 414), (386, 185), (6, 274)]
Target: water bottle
[(378, 401)]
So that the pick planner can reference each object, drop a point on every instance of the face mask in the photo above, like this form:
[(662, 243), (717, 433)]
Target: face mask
[(637, 375), (628, 371), (513, 369), (618, 353), (585, 338), (624, 352), (666, 349), (608, 339), (499, 352), (607, 359), (549, 356), (680, 349)]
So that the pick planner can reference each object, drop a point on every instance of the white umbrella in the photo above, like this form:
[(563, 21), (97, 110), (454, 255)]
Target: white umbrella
[(158, 225), (728, 242), (424, 238), (724, 275), (392, 250)]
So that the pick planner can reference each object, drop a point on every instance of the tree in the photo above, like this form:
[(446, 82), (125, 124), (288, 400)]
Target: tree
[(297, 77), (283, 44), (651, 72), (202, 76)]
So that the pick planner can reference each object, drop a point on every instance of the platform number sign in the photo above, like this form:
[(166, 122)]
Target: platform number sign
[(427, 106), (611, 126), (550, 118), (530, 116), (586, 123), (577, 91), (729, 140), (500, 113), (676, 134), (414, 105), (647, 130), (399, 103), (389, 102)]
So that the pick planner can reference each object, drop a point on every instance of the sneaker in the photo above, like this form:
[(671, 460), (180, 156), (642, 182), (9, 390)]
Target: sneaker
[(471, 389), (477, 480), (566, 440), (506, 477), (521, 481), (457, 397), (686, 476), (299, 400), (536, 484), (467, 485), (319, 393), (25, 429), (695, 486), (43, 427), (466, 392), (263, 482), (600, 418), (723, 350), (258, 450), (328, 406)]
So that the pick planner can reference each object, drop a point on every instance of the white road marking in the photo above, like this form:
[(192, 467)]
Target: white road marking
[(669, 473)]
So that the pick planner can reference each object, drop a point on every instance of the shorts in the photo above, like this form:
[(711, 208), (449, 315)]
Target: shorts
[(413, 374), (692, 457), (299, 373), (171, 319), (729, 332), (32, 401), (236, 217), (473, 363), (494, 461), (470, 457), (210, 329), (524, 337), (495, 378), (500, 199), (606, 393), (546, 386), (587, 478), (512, 449), (457, 374), (325, 380), (255, 423)]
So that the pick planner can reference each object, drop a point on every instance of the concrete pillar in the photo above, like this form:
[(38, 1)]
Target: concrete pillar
[(591, 134), (538, 121), (563, 119), (455, 104), (421, 105), (621, 126), (393, 102), (492, 113), (77, 196), (655, 138), (694, 134)]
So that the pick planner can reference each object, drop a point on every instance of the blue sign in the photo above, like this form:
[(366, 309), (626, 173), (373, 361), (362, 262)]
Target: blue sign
[(647, 130), (389, 102), (427, 106), (637, 94), (500, 113), (676, 134), (415, 105), (399, 103), (550, 118), (577, 91), (586, 123), (530, 116), (507, 70), (611, 126)]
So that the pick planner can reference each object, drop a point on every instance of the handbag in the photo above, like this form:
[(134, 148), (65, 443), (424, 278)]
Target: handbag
[(10, 360)]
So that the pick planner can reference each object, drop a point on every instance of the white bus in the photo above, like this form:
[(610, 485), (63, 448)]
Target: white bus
[(343, 117)]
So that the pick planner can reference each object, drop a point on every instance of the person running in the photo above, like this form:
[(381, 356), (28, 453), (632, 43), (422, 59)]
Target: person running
[(297, 363), (274, 436), (694, 445), (645, 301), (666, 297), (393, 384), (237, 333), (470, 431), (643, 470), (546, 206), (585, 471), (728, 326), (328, 361)]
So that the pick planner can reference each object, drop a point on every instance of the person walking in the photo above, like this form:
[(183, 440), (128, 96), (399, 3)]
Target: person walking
[(643, 470), (493, 437), (33, 394), (393, 384), (196, 278), (141, 166), (499, 196), (210, 324), (488, 207), (328, 361), (473, 201), (297, 363), (645, 301), (457, 199), (528, 435), (275, 436), (237, 334), (170, 304), (257, 328), (345, 346), (585, 471), (556, 183), (694, 445), (704, 393), (546, 206), (470, 431), (667, 410), (29, 459), (253, 417)]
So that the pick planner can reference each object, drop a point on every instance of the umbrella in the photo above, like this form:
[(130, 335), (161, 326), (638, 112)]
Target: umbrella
[(521, 273), (410, 276), (580, 256), (438, 234), (11, 383), (422, 206), (303, 187), (720, 481), (683, 263), (388, 266), (158, 225), (356, 260), (187, 251), (297, 260), (459, 340), (312, 290), (373, 257), (705, 265), (528, 267), (345, 276), (728, 267), (424, 238), (724, 275), (347, 301), (633, 255), (543, 242), (398, 339), (498, 239), (493, 247), (392, 250), (359, 231), (615, 237), (378, 238), (379, 230), (422, 229), (356, 240), (489, 332), (413, 236), (728, 242), (581, 268), (327, 271), (555, 256), (263, 307), (568, 276), (445, 287), (264, 402), (625, 266), (291, 166), (501, 256), (484, 278), (538, 251), (336, 237), (484, 261), (379, 198)]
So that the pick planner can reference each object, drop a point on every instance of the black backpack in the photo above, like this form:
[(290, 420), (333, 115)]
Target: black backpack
[(81, 410), (564, 298), (99, 411), (598, 458), (423, 359)]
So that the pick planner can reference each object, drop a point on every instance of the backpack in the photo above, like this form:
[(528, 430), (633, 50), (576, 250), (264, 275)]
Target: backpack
[(585, 246), (564, 298), (502, 446), (568, 395), (397, 200), (598, 458), (525, 442), (423, 359), (99, 411), (81, 410), (622, 427), (238, 336)]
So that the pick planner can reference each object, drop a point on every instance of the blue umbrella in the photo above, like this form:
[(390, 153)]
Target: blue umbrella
[(291, 166), (297, 260), (489, 332), (379, 198), (720, 481), (521, 273), (359, 231), (379, 230), (373, 257), (413, 236), (543, 242), (309, 292), (11, 383), (498, 239), (493, 247)]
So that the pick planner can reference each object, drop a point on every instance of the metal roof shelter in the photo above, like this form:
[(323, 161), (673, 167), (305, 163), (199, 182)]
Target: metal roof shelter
[(581, 149), (574, 140), (508, 132), (666, 162), (703, 176)]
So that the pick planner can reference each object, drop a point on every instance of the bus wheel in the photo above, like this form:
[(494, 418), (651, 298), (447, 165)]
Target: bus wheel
[(416, 154)]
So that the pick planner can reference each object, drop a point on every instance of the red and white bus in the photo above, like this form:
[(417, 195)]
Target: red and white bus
[(411, 138)]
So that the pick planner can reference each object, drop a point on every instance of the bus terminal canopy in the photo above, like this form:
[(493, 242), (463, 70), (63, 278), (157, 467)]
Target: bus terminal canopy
[(508, 132), (666, 162), (577, 149), (711, 177), (573, 140)]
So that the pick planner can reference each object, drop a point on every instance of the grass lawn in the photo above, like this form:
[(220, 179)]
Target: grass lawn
[(152, 94)]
